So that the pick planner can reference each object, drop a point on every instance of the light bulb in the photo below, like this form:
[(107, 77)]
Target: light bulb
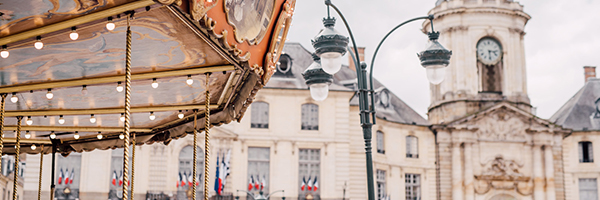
[(331, 62), (319, 91), (152, 116), (27, 135), (154, 83), (122, 118), (93, 119), (99, 136), (61, 120), (76, 136), (52, 135), (121, 136), (33, 147), (38, 44), (29, 121), (4, 53), (49, 95), (189, 80), (180, 115), (14, 97), (110, 25), (84, 90), (119, 87), (74, 35)]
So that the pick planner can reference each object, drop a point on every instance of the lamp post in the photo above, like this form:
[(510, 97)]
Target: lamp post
[(330, 46)]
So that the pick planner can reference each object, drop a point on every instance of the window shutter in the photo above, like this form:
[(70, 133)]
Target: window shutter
[(590, 152), (580, 151)]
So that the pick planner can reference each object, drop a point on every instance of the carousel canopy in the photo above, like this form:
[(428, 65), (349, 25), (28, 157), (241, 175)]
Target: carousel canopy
[(70, 88)]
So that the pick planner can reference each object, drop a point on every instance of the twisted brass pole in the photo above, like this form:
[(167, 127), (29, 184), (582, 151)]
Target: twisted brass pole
[(2, 125), (206, 137), (17, 151), (195, 154), (132, 165), (127, 110), (40, 178)]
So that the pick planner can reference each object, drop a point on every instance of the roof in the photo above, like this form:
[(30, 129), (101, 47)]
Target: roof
[(394, 110), (577, 113)]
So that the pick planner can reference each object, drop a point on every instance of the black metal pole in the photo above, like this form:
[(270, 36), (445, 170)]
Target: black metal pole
[(52, 186)]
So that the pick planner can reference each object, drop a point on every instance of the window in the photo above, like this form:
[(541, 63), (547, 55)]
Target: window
[(380, 143), (69, 169), (381, 192), (412, 147), (586, 152), (185, 174), (588, 188), (258, 168), (309, 171), (413, 186), (310, 117), (260, 115)]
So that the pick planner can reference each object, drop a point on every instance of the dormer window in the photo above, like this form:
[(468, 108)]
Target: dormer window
[(384, 98), (284, 66)]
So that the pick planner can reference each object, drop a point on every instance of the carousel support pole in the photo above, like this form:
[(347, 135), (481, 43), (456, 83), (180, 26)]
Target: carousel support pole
[(17, 152), (52, 185), (41, 166), (132, 164), (2, 125), (195, 154), (206, 136), (127, 108)]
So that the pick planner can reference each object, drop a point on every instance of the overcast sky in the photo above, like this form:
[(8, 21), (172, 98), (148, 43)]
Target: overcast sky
[(562, 37)]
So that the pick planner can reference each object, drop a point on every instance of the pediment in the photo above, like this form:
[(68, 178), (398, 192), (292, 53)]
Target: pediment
[(504, 122)]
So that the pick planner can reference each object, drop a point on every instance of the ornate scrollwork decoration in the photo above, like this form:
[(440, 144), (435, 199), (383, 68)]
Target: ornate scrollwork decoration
[(199, 8), (277, 41), (169, 2)]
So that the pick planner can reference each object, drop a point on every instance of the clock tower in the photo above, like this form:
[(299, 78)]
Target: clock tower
[(488, 61)]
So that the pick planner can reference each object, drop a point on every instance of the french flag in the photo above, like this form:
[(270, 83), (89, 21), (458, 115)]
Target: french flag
[(309, 184), (251, 182), (66, 176), (121, 179), (316, 184), (179, 180), (303, 183), (60, 176), (257, 182), (190, 179), (263, 183), (218, 177), (183, 179), (72, 175), (114, 178)]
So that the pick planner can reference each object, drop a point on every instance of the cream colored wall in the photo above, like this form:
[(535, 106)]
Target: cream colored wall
[(395, 162), (574, 170)]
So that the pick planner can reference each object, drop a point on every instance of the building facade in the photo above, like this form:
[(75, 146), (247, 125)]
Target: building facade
[(481, 140)]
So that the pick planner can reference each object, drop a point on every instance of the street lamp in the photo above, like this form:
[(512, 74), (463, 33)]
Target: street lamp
[(317, 79), (330, 45)]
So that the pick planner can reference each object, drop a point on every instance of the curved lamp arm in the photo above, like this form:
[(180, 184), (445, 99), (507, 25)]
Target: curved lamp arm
[(274, 193), (430, 17), (249, 193)]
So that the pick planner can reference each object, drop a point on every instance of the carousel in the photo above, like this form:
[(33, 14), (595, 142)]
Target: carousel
[(102, 74)]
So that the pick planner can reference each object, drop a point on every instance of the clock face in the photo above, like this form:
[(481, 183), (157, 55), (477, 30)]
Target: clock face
[(489, 51)]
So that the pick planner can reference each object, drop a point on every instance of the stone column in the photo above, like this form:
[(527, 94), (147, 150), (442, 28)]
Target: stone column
[(457, 177), (538, 173), (549, 164), (469, 190)]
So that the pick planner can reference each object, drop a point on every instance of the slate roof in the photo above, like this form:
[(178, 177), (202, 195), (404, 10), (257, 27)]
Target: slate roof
[(345, 80), (577, 113)]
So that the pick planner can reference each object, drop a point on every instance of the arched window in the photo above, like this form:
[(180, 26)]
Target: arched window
[(412, 147), (380, 142), (310, 116), (260, 115), (185, 172), (586, 152), (489, 65)]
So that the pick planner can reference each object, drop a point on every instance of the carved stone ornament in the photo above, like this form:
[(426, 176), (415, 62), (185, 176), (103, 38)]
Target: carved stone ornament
[(169, 2), (279, 36), (501, 174), (501, 126), (250, 18), (201, 7)]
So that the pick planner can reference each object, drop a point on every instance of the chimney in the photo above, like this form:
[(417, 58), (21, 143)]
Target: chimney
[(361, 54), (589, 72)]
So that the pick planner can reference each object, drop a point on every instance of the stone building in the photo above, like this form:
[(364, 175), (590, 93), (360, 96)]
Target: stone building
[(481, 140)]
